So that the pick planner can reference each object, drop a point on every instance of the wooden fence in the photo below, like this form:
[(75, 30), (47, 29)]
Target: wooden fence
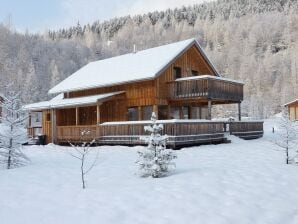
[(180, 132), (247, 130)]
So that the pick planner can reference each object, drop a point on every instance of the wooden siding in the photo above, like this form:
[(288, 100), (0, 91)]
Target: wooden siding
[(47, 125), (66, 117), (293, 111), (115, 110), (136, 94)]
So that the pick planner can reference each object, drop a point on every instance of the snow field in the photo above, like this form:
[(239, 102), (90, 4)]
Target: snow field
[(242, 182)]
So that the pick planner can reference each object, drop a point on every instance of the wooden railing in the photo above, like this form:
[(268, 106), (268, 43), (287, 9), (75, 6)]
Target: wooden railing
[(77, 133), (206, 88), (247, 130), (183, 132), (180, 132), (34, 131)]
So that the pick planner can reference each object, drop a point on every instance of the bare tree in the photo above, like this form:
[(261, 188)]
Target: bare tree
[(82, 153), (287, 137), (12, 130)]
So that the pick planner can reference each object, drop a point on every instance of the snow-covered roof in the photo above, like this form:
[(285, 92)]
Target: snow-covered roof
[(142, 65), (292, 102), (59, 101), (209, 77)]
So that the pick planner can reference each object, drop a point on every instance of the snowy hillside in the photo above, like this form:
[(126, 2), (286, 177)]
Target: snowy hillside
[(254, 41), (241, 182)]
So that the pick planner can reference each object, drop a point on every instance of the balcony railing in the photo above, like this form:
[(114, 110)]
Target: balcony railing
[(206, 87), (34, 131)]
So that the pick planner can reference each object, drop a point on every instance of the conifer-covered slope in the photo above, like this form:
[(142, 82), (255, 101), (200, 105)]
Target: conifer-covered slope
[(255, 41)]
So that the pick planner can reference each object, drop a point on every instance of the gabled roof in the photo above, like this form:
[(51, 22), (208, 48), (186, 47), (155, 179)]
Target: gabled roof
[(59, 101), (139, 66), (292, 102)]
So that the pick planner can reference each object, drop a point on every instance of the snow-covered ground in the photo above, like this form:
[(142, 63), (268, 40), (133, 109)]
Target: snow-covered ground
[(237, 183)]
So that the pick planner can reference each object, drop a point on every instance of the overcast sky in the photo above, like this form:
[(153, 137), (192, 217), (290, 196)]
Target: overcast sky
[(38, 15)]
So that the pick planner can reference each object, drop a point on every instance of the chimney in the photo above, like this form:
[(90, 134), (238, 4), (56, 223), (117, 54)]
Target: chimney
[(134, 49)]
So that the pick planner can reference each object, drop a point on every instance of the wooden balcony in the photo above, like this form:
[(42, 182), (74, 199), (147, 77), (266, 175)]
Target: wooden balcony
[(206, 87)]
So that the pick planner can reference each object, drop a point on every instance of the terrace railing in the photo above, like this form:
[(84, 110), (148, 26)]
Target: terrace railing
[(180, 132), (34, 131), (206, 87)]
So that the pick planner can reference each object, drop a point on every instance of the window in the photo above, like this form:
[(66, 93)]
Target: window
[(147, 112), (36, 118), (204, 113), (185, 112), (132, 114), (194, 73), (199, 113), (177, 72), (162, 112), (48, 117), (175, 112)]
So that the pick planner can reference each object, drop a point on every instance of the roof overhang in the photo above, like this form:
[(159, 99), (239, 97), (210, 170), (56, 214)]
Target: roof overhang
[(291, 103), (60, 102)]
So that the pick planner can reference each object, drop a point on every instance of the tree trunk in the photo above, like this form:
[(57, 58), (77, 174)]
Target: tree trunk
[(82, 171), (9, 154)]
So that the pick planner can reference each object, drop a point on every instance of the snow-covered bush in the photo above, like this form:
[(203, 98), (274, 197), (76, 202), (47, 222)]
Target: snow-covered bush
[(12, 131), (82, 153), (287, 136), (155, 160)]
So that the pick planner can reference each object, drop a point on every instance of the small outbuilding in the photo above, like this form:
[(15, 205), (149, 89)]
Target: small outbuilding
[(293, 109)]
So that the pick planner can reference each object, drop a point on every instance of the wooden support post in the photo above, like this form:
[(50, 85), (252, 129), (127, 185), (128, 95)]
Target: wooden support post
[(200, 111), (77, 116), (181, 112), (169, 111), (98, 114), (29, 121), (53, 113), (140, 113), (155, 110), (239, 111), (209, 109)]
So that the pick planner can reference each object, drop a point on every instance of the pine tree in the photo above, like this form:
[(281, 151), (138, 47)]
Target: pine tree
[(12, 131), (155, 160)]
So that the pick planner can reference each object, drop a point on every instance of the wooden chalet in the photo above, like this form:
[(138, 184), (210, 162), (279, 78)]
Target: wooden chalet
[(114, 98)]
